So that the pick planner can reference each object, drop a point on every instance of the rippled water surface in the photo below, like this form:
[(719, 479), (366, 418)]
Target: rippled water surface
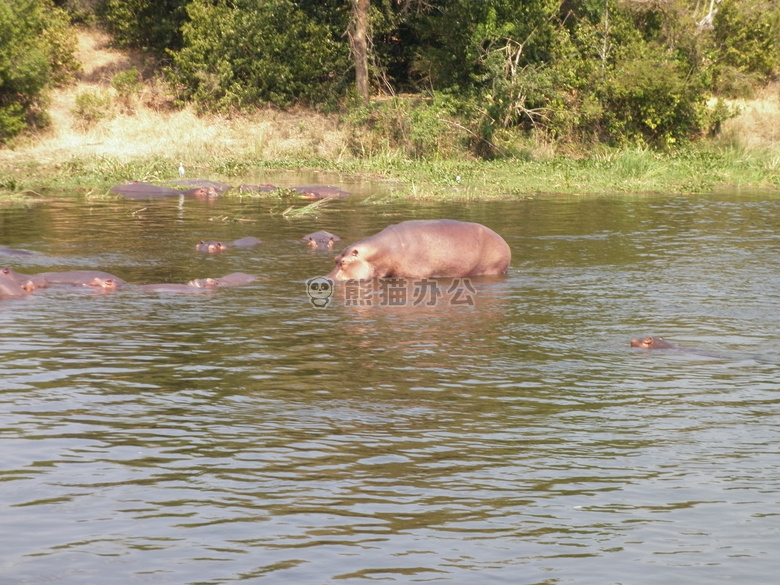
[(246, 436)]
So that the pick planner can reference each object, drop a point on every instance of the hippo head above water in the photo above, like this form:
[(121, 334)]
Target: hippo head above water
[(652, 343), (210, 246)]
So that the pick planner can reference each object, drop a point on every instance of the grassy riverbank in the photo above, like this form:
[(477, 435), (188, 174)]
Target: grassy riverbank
[(141, 137)]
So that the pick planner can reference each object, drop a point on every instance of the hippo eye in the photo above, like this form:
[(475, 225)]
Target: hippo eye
[(354, 252)]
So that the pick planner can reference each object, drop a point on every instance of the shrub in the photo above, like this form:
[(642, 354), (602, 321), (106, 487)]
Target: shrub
[(36, 48), (747, 39), (91, 107), (150, 25), (648, 102), (416, 128), (244, 53)]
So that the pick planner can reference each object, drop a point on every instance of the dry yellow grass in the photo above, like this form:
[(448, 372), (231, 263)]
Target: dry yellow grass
[(758, 124), (159, 130)]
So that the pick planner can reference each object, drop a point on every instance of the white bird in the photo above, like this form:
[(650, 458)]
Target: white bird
[(181, 170)]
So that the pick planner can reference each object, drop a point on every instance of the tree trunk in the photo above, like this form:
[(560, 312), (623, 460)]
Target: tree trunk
[(359, 40)]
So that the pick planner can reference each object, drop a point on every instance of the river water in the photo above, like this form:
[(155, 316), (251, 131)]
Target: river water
[(247, 436)]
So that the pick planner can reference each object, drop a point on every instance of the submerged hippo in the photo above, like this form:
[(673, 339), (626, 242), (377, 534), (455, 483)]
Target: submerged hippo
[(14, 252), (143, 190), (78, 277), (10, 289), (109, 284), (320, 239), (320, 191), (652, 343), (235, 279), (35, 280), (168, 287), (212, 246), (266, 188), (425, 248), (218, 187), (201, 193)]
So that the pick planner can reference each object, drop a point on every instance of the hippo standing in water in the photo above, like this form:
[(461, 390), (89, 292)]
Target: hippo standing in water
[(652, 343), (320, 239), (212, 246), (423, 249)]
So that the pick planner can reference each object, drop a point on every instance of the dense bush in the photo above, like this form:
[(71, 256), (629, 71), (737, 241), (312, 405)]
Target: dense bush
[(150, 25), (419, 128), (245, 53), (36, 48), (747, 45)]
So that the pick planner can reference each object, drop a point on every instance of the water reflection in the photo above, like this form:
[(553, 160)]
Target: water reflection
[(247, 436)]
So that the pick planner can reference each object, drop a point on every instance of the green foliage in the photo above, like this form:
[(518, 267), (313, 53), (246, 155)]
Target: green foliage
[(416, 128), (36, 49), (650, 102), (150, 25), (243, 53), (747, 41), (126, 83), (91, 107), (500, 72)]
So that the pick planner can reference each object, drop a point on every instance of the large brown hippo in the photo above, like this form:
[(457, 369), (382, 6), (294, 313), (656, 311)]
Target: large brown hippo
[(652, 343), (425, 248), (78, 277), (212, 246), (320, 239)]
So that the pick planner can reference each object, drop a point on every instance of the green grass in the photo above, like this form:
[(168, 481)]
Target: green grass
[(700, 169)]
